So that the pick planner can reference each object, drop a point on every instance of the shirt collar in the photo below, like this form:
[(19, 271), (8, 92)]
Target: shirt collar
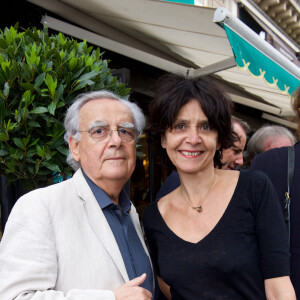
[(103, 199)]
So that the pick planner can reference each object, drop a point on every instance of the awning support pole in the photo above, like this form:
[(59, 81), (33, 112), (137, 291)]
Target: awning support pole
[(214, 68)]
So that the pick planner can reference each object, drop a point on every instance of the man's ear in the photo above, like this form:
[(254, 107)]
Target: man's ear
[(163, 141), (74, 147)]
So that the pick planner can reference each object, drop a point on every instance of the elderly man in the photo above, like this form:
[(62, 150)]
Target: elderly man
[(232, 157), (269, 137), (81, 239)]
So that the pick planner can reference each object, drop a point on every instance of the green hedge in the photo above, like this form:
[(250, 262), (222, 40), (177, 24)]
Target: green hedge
[(40, 75)]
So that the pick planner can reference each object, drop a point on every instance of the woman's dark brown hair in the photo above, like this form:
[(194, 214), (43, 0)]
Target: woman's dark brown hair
[(173, 92)]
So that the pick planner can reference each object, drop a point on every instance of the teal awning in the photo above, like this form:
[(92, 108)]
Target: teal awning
[(259, 65), (258, 57)]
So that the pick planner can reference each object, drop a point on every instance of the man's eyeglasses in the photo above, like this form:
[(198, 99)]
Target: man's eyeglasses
[(101, 134)]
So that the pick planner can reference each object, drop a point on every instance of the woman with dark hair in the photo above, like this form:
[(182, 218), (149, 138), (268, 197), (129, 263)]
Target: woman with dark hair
[(220, 234)]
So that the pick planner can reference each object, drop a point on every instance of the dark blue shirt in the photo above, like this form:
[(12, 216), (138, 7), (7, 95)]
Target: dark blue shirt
[(134, 256)]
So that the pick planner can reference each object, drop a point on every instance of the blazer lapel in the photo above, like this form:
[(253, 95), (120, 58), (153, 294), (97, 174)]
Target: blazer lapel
[(99, 222)]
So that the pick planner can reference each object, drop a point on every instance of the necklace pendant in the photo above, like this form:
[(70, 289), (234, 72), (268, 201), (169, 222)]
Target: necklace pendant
[(198, 208)]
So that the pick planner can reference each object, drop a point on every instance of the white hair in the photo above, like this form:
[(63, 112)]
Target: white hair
[(257, 141), (72, 120)]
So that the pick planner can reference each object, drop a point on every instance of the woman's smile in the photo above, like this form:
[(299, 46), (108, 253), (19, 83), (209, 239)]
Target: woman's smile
[(192, 154)]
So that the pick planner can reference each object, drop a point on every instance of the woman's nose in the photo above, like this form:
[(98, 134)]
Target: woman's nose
[(193, 136)]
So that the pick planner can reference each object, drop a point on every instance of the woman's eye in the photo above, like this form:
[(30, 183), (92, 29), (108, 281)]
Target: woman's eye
[(179, 126), (205, 127)]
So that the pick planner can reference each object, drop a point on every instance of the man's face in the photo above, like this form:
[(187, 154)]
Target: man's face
[(233, 156), (109, 160)]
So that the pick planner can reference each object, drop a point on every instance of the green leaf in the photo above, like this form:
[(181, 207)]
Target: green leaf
[(27, 86), (2, 111), (73, 63), (27, 98), (26, 140), (57, 142), (34, 124), (18, 154), (60, 104), (18, 142), (89, 75), (51, 84), (40, 151), (39, 80), (11, 165), (30, 153), (39, 110), (44, 172), (63, 150), (34, 142), (3, 153), (51, 108), (51, 166), (4, 137), (37, 168), (6, 89), (3, 43)]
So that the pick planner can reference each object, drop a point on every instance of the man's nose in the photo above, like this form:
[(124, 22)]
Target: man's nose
[(239, 161), (114, 138)]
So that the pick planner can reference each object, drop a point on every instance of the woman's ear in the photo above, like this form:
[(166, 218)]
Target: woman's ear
[(163, 141)]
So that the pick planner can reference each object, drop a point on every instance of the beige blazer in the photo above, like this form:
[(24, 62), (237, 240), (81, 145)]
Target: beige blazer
[(58, 245)]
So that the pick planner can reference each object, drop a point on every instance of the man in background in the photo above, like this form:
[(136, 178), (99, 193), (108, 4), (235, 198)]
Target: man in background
[(268, 137)]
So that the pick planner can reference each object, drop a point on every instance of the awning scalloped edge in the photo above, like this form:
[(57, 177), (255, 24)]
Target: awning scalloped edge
[(262, 74)]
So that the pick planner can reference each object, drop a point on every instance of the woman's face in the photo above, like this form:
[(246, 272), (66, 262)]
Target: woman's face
[(191, 143)]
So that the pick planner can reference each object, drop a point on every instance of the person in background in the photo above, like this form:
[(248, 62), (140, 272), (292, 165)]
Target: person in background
[(268, 137), (232, 158), (221, 233), (81, 238), (274, 164)]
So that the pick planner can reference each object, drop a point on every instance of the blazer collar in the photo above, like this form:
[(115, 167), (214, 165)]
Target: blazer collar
[(99, 222)]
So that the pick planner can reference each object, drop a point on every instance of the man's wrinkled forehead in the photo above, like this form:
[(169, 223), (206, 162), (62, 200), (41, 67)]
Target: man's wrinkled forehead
[(106, 112)]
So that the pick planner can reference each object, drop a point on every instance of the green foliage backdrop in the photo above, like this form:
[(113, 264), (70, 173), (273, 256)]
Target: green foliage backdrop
[(40, 75)]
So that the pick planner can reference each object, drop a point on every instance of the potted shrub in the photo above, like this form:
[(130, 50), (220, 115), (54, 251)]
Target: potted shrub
[(40, 75)]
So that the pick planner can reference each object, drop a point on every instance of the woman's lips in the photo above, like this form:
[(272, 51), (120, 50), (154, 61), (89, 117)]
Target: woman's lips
[(190, 153)]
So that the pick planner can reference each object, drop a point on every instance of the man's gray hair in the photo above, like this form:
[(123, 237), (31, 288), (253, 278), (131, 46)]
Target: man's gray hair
[(72, 120), (257, 141)]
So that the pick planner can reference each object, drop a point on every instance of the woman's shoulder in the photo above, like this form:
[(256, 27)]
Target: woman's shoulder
[(157, 208)]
